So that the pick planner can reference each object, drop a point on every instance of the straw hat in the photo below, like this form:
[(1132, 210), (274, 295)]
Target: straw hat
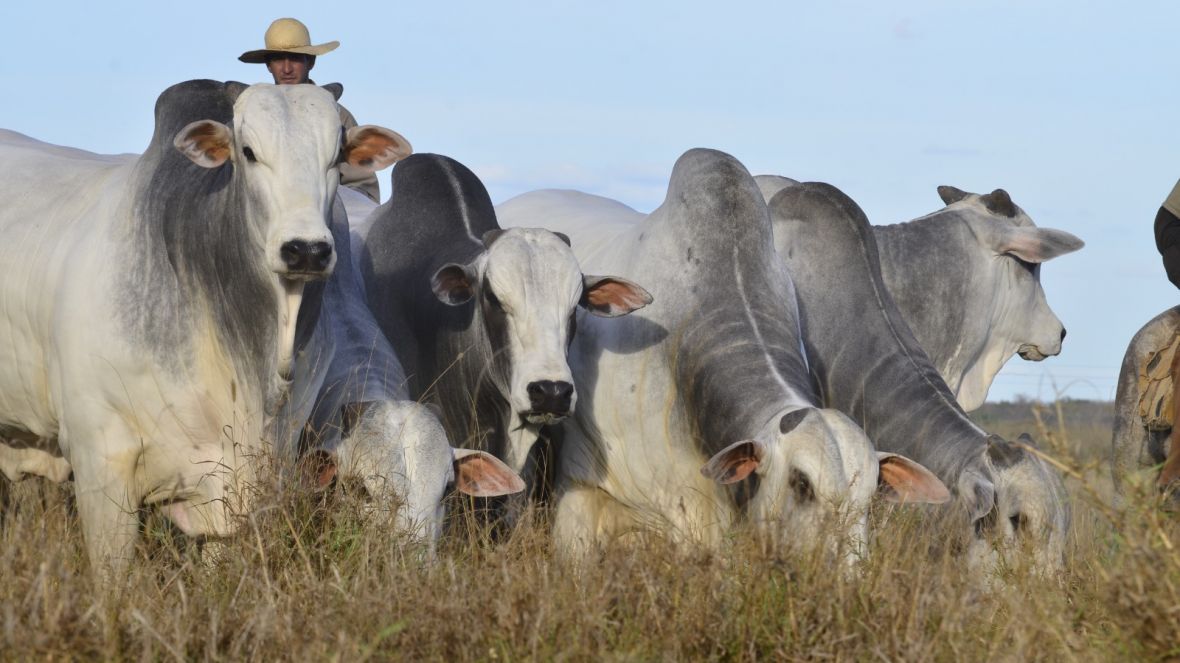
[(286, 35)]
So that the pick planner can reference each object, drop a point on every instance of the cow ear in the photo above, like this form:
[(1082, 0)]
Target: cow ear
[(317, 469), (735, 462), (977, 493), (371, 148), (1035, 245), (903, 480), (481, 474), (206, 143), (950, 195), (453, 284), (611, 296)]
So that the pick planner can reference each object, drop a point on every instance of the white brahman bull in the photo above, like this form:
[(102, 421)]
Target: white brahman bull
[(148, 305)]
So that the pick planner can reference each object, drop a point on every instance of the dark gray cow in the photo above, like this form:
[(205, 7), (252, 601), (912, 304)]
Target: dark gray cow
[(349, 393), (967, 280), (481, 317), (870, 366), (708, 385), (1134, 448)]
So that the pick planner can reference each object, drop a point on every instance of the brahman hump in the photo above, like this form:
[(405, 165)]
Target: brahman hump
[(869, 365), (150, 304), (708, 386), (1134, 447), (481, 317), (967, 281), (349, 414)]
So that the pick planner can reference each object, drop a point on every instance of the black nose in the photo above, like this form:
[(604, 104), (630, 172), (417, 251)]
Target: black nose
[(1063, 333), (550, 397), (301, 256)]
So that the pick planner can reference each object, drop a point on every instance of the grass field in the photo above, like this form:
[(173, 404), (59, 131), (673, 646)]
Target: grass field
[(311, 579)]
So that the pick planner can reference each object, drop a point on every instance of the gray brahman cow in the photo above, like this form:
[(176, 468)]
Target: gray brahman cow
[(349, 413), (869, 365), (967, 281), (708, 386), (1135, 447), (481, 317), (148, 305)]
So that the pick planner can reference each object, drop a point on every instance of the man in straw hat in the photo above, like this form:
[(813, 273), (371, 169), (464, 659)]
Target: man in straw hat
[(289, 56)]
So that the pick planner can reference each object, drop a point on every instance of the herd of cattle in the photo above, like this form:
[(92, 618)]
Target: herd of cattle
[(753, 351)]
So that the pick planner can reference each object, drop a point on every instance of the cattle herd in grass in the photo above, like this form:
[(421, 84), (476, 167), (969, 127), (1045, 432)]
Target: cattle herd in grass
[(170, 317)]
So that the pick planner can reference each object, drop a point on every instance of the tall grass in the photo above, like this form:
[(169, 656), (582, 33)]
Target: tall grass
[(311, 577)]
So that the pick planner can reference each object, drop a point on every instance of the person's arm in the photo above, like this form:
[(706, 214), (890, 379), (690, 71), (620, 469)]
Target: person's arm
[(1167, 234)]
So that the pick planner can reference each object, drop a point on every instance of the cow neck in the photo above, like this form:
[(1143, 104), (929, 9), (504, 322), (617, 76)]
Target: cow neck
[(866, 359), (200, 254)]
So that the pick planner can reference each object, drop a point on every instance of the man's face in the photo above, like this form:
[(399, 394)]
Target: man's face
[(289, 68)]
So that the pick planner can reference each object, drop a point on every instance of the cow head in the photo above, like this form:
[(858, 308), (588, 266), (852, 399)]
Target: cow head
[(285, 144), (1017, 505), (400, 453), (526, 286), (1002, 261), (819, 468)]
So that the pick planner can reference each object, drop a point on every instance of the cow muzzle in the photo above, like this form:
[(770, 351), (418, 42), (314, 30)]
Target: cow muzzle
[(306, 260), (549, 401)]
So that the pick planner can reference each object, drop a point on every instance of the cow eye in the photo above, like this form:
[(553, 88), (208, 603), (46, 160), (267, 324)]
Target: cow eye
[(1018, 522), (493, 299), (249, 154), (801, 485)]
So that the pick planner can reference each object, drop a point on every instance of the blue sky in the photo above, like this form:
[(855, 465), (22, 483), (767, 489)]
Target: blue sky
[(1072, 109)]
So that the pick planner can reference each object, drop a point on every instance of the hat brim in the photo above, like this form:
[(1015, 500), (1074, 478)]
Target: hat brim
[(259, 56)]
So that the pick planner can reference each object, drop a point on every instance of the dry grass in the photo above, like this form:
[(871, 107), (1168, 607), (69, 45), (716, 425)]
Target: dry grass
[(310, 579)]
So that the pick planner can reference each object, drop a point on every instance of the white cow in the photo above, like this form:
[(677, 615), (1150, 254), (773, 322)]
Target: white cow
[(706, 386), (349, 392), (148, 305), (967, 280)]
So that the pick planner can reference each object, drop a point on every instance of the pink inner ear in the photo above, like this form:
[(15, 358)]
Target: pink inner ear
[(481, 475), (908, 481), (734, 463), (616, 297), (452, 281), (375, 148), (319, 468)]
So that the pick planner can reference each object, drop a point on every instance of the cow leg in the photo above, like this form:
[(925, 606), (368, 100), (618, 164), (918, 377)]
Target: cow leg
[(109, 511), (1171, 469), (586, 519), (15, 463)]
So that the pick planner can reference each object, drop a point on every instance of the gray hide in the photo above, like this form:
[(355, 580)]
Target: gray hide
[(966, 279), (1134, 449), (714, 364), (869, 365)]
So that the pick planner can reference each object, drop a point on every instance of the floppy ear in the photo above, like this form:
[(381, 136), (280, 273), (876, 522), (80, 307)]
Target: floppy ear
[(977, 493), (904, 480), (735, 462), (481, 474), (1035, 244), (371, 148), (206, 143), (453, 284), (317, 469), (611, 296), (950, 195)]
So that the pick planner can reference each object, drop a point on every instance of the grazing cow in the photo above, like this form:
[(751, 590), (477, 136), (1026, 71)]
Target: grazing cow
[(481, 317), (349, 392), (149, 304), (1134, 447), (708, 385), (967, 281), (869, 365)]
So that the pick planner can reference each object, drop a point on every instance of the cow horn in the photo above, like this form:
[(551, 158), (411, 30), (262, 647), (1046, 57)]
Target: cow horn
[(337, 89), (233, 89), (999, 202), (491, 236)]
